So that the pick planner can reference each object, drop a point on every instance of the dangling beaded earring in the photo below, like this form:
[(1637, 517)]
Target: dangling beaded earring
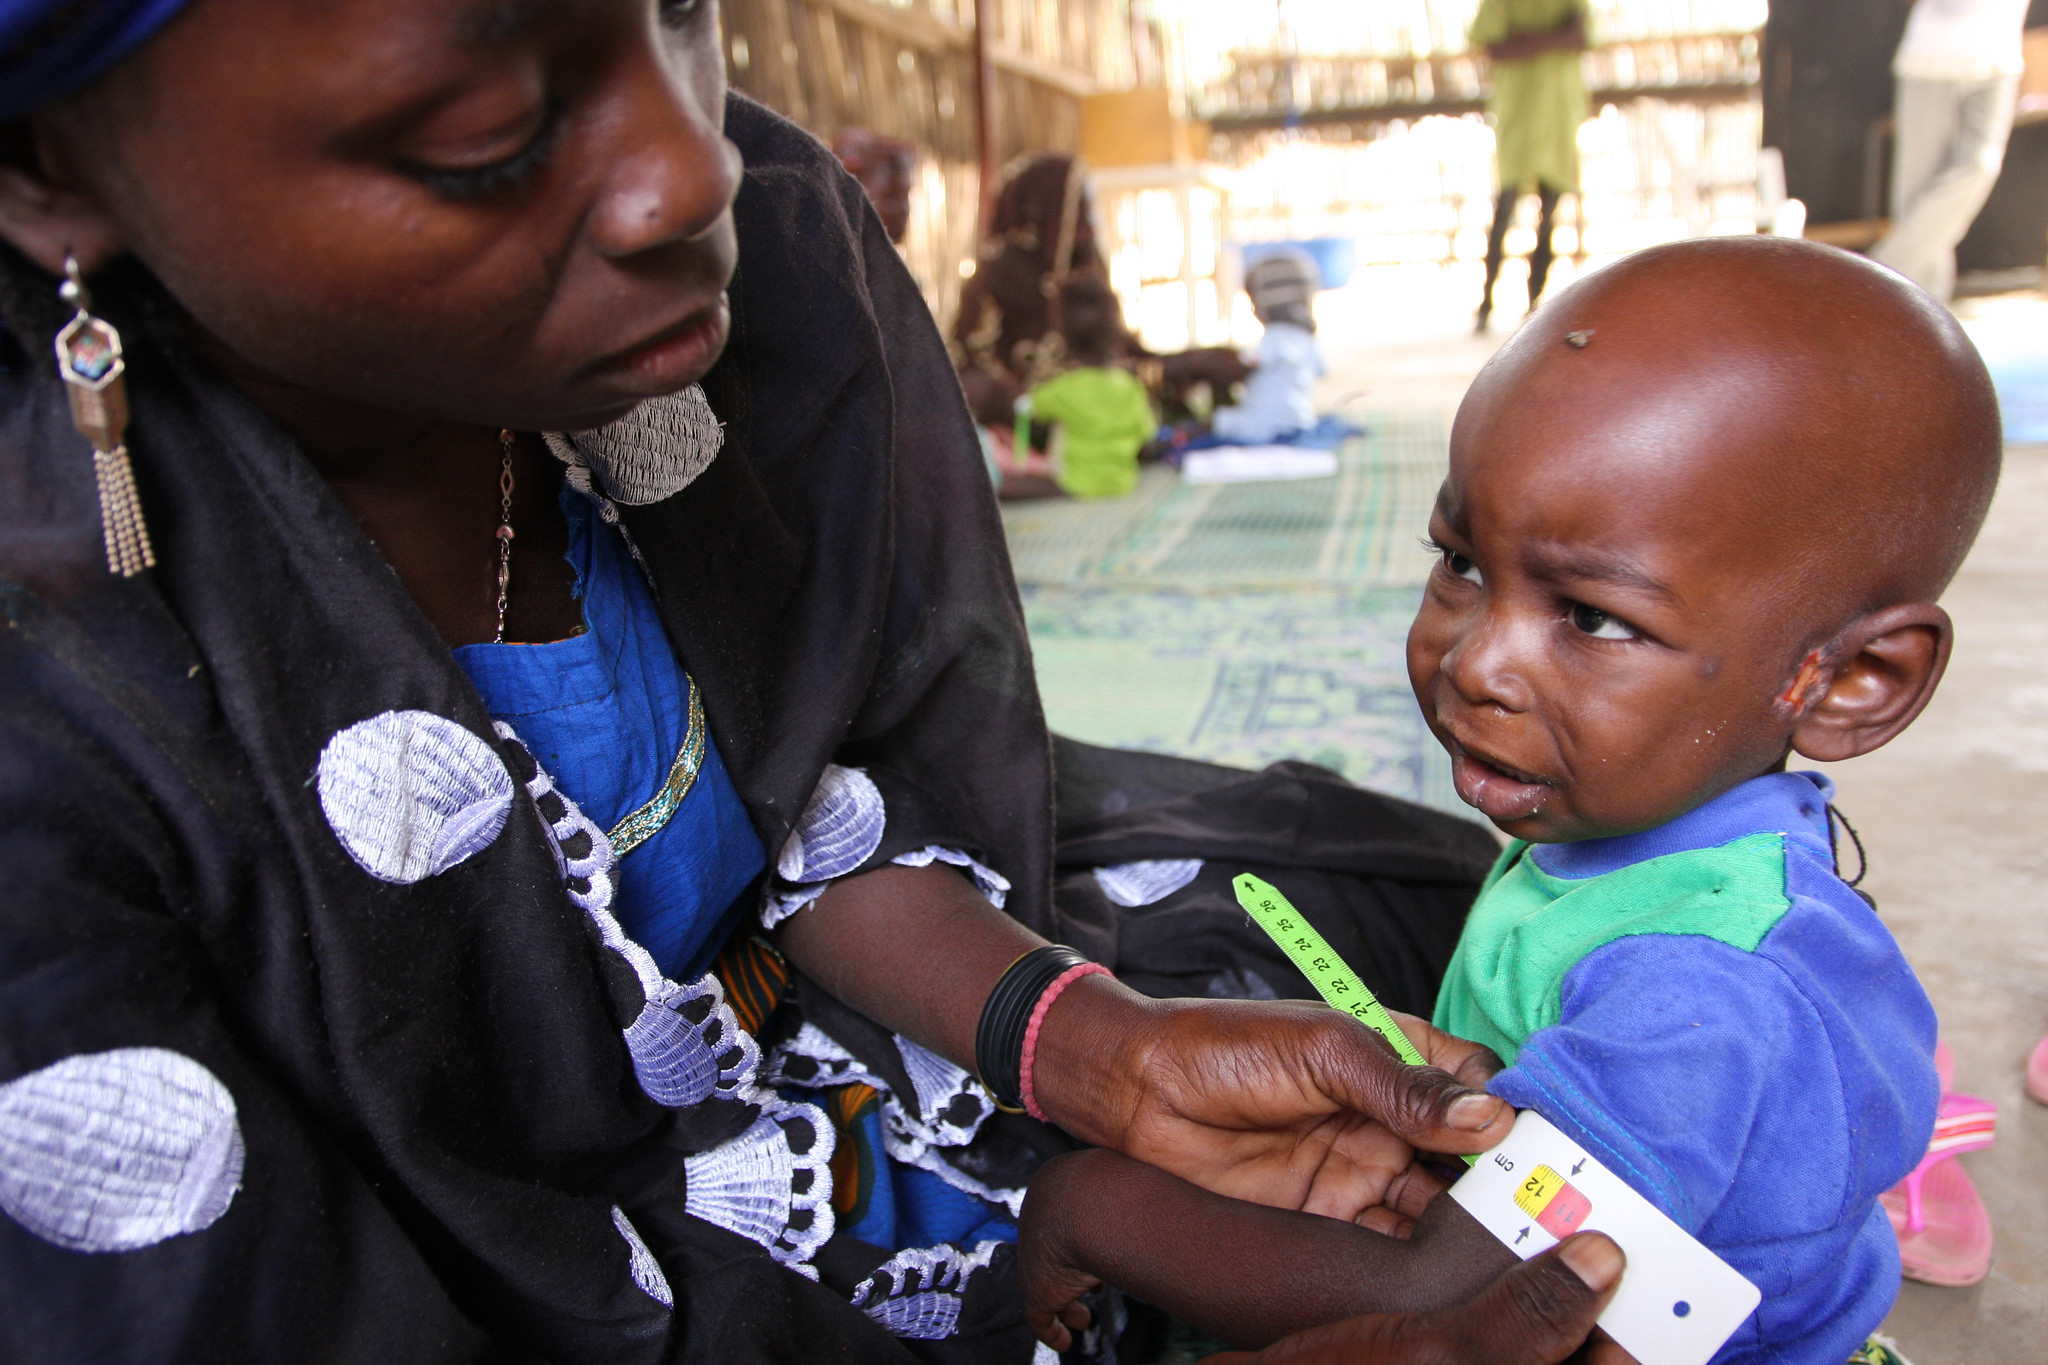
[(89, 359)]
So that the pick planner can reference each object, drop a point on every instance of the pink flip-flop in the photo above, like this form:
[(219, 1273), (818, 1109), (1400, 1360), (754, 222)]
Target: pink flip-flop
[(2037, 1072), (1944, 1232)]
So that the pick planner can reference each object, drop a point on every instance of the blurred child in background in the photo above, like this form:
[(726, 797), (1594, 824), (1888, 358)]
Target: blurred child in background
[(1279, 397), (1098, 413)]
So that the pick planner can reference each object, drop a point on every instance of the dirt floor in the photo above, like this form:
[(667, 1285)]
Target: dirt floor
[(1951, 813)]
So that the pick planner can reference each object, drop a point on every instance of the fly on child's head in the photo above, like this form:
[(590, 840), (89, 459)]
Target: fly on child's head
[(1698, 513)]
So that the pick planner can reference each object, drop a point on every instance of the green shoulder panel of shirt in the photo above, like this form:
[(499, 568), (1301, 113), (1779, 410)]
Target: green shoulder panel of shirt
[(1528, 929)]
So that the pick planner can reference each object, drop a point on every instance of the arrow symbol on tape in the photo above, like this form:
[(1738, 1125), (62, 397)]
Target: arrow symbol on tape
[(1580, 1167), (1518, 1239)]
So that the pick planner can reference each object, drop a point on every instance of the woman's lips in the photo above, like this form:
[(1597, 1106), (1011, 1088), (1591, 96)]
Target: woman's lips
[(673, 359), (1499, 794)]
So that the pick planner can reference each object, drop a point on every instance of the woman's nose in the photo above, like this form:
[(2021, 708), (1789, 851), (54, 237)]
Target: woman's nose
[(675, 180), (1485, 665)]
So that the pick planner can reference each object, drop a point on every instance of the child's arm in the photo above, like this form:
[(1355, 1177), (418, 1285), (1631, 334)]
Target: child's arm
[(1245, 1273)]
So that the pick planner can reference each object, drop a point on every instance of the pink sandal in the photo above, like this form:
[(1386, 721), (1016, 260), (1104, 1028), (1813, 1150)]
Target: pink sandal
[(2037, 1072), (1944, 1232)]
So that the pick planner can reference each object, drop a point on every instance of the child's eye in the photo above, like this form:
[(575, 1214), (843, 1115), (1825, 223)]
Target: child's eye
[(1599, 624), (1459, 565), (675, 13)]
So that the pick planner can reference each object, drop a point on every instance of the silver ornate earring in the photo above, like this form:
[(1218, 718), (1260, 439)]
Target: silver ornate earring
[(89, 360)]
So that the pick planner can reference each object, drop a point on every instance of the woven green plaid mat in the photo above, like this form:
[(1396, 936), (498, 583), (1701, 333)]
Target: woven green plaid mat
[(1356, 529), (1244, 623)]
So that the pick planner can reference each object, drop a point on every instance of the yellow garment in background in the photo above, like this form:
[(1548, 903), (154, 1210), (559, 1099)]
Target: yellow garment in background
[(1538, 102), (1105, 417)]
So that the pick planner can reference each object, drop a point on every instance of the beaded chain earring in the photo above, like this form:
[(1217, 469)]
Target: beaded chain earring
[(89, 360)]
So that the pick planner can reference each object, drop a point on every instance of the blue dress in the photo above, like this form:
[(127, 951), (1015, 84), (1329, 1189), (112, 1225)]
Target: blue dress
[(618, 726), (616, 723)]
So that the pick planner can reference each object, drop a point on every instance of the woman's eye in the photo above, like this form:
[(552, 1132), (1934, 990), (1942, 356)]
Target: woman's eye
[(675, 13), (1461, 566), (494, 177), (1599, 624)]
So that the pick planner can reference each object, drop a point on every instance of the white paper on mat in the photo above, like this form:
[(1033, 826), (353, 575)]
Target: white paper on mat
[(1678, 1301), (1254, 464)]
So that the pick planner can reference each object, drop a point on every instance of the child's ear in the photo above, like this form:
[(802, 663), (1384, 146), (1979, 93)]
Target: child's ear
[(40, 216), (1886, 667)]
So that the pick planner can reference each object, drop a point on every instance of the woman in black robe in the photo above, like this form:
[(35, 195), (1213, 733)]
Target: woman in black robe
[(321, 1036)]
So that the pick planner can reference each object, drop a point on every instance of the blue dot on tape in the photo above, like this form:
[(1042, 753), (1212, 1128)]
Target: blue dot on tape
[(1681, 1308)]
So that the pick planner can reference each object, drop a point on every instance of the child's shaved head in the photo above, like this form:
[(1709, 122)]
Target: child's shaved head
[(1698, 512), (1845, 403)]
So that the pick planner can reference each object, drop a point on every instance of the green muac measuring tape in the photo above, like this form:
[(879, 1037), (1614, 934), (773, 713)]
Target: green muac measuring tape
[(1317, 961)]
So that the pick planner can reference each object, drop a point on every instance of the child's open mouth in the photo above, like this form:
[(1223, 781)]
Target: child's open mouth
[(1498, 792)]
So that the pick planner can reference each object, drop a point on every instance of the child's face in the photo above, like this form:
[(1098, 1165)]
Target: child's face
[(1609, 637), (501, 211)]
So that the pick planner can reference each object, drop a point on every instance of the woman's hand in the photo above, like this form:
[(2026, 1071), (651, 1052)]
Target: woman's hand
[(1539, 1313), (1291, 1104)]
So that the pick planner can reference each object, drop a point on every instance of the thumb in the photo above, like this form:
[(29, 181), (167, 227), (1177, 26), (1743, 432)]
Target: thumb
[(1424, 1105), (1542, 1310)]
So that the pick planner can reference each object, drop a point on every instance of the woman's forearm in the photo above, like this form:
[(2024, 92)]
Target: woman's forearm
[(918, 949)]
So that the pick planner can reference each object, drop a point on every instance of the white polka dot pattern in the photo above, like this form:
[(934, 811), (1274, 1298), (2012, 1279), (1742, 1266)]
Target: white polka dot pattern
[(411, 794), (840, 829), (111, 1151)]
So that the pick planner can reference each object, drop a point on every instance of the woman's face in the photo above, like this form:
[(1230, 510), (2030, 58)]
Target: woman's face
[(512, 212)]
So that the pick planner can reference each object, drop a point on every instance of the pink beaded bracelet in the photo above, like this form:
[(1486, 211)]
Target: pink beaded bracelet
[(1052, 993)]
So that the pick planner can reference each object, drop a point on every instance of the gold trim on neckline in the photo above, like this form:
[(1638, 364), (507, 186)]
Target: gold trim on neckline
[(643, 824)]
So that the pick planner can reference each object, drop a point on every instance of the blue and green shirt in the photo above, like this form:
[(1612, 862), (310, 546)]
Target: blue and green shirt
[(1728, 1027)]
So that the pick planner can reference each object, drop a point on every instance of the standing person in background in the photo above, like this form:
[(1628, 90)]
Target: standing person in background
[(1539, 101), (1958, 72)]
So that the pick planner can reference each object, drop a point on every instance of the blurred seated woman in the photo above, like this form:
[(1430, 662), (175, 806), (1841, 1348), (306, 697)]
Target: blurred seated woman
[(1006, 337)]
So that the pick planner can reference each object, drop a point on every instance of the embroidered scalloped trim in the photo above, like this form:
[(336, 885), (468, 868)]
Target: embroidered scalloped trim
[(917, 1293), (640, 1262), (1143, 883), (840, 829), (651, 453), (772, 1184), (686, 1044), (780, 900), (920, 1134), (778, 904), (992, 884)]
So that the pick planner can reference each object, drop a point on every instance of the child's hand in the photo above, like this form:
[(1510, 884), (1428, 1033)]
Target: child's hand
[(1539, 1313), (1052, 1283)]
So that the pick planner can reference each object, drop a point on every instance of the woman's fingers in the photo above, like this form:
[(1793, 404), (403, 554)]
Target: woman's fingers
[(1536, 1314), (1541, 1311), (1426, 1106), (1473, 1064)]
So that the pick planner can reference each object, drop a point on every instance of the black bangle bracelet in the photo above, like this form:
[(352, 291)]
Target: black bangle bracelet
[(999, 1038)]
